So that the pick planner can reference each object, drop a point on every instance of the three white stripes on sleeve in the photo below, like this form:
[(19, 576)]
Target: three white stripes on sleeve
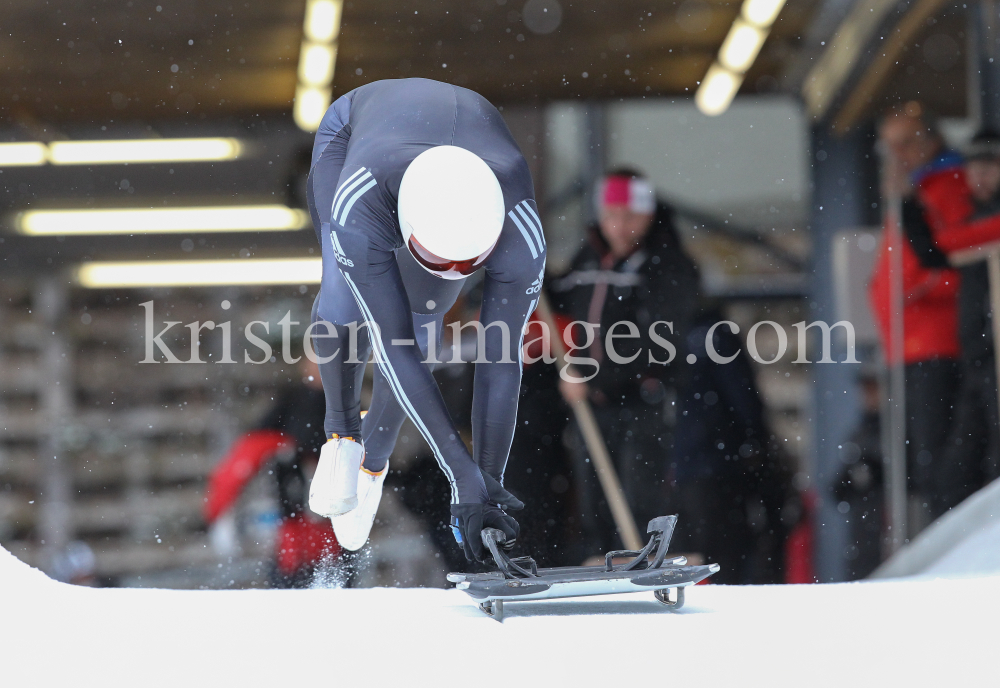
[(523, 215)]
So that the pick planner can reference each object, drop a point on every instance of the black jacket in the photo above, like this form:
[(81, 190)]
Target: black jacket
[(720, 426), (659, 282), (975, 325)]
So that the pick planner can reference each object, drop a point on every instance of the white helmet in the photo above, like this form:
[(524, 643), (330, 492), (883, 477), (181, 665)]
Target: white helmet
[(451, 211)]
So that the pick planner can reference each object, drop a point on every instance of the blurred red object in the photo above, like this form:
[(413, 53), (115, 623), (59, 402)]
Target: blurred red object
[(800, 546), (238, 467), (302, 542)]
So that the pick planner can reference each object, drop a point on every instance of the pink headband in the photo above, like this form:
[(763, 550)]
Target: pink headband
[(634, 192)]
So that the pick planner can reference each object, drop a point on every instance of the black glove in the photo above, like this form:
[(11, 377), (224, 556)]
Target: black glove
[(468, 520), (498, 495)]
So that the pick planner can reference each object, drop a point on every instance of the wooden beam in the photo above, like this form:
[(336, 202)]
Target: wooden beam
[(884, 64), (834, 67)]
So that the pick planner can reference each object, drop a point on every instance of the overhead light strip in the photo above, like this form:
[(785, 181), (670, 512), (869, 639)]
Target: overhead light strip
[(737, 54), (116, 152), (22, 154), (317, 59), (244, 218), (199, 273)]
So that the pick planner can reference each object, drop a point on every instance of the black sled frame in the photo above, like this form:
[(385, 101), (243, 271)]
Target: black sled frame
[(520, 578)]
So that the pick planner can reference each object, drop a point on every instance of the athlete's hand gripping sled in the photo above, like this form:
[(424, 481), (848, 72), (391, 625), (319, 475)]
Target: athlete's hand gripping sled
[(520, 579)]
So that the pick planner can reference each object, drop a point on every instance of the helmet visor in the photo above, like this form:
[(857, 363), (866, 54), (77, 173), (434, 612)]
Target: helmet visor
[(446, 268)]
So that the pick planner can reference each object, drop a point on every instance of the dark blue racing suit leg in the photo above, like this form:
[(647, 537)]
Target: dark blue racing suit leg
[(430, 298), (341, 369)]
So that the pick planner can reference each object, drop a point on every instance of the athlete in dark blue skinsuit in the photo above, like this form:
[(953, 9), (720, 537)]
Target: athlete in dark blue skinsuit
[(366, 142)]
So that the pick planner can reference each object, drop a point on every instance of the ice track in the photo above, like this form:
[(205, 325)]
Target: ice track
[(929, 632)]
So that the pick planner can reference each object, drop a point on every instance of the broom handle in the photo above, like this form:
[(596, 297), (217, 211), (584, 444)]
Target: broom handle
[(598, 450)]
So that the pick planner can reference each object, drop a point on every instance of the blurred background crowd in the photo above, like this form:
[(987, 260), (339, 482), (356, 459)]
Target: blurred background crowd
[(694, 162)]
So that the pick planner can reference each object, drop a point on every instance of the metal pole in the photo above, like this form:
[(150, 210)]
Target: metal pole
[(55, 527), (598, 450), (843, 190), (984, 101), (595, 158), (984, 72), (994, 262), (895, 458)]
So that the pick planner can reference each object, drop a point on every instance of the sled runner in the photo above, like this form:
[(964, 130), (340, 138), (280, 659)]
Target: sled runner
[(520, 579)]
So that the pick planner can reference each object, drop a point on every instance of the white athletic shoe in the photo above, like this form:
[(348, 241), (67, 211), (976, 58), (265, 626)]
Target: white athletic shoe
[(352, 528), (334, 487)]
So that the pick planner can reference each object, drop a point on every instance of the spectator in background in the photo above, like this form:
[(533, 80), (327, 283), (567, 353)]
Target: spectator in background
[(929, 180), (973, 447), (287, 440), (726, 465), (632, 269)]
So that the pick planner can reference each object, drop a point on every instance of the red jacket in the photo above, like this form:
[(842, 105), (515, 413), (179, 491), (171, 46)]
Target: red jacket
[(930, 310), (951, 230)]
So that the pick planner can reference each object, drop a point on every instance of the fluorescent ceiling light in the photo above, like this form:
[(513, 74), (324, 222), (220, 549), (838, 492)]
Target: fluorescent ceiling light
[(317, 61), (143, 150), (12, 154), (243, 218), (322, 20), (762, 12), (310, 106), (203, 273), (717, 90), (316, 64), (741, 46)]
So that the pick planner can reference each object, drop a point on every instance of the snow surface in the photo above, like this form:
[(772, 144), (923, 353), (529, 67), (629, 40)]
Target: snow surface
[(887, 633), (977, 554), (963, 542)]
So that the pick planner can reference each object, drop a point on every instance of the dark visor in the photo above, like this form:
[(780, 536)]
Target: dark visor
[(452, 269)]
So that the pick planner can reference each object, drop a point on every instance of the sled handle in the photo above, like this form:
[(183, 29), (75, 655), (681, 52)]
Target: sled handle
[(494, 540), (661, 529), (639, 557)]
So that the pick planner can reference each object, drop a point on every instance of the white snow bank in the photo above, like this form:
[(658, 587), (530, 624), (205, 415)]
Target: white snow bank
[(896, 633), (963, 542), (978, 554), (16, 575)]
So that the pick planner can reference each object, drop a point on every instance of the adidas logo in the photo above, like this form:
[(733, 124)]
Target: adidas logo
[(536, 286), (339, 252)]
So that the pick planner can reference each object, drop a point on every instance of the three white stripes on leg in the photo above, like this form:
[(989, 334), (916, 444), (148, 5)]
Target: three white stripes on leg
[(526, 219), (341, 210)]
